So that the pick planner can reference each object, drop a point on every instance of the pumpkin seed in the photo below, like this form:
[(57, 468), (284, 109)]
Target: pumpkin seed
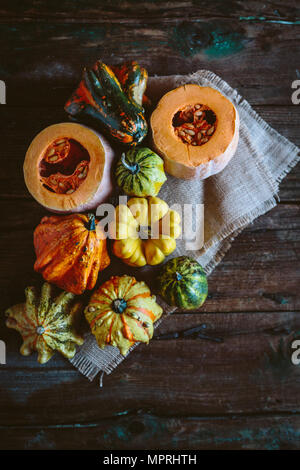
[(59, 142), (53, 159), (91, 309), (82, 174), (51, 152), (199, 131), (70, 191), (190, 132)]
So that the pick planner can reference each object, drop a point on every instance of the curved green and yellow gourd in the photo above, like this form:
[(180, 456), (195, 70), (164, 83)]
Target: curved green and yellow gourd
[(46, 325), (122, 312), (111, 98), (140, 172)]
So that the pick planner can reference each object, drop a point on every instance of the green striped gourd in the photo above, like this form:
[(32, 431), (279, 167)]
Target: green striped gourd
[(140, 172), (183, 283)]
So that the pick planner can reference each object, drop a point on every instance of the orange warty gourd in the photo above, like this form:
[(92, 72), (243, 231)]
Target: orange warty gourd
[(71, 251), (196, 130)]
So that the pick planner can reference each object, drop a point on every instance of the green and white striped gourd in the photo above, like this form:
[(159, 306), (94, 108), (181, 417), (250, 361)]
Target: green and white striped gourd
[(140, 172)]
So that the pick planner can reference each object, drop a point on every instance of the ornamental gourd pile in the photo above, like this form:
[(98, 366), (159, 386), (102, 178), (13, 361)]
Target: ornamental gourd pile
[(68, 169)]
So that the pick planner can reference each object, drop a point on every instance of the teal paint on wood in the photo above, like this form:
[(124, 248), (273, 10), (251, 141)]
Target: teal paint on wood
[(214, 39), (227, 44), (278, 298), (149, 428), (122, 413), (272, 436), (40, 441), (269, 20), (146, 425)]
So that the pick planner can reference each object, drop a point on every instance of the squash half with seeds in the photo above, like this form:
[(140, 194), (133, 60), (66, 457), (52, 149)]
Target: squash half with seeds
[(196, 131)]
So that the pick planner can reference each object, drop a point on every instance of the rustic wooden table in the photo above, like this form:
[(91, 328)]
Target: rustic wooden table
[(175, 394)]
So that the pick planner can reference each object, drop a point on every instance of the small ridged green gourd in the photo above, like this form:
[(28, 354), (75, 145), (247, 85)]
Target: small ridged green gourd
[(140, 172)]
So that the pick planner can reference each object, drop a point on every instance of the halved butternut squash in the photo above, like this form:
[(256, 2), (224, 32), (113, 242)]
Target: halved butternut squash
[(67, 168), (196, 130)]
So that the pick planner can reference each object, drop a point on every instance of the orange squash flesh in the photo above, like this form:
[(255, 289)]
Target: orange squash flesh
[(186, 161), (89, 183), (65, 166)]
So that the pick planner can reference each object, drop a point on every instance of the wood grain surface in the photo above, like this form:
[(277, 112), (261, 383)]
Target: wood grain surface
[(173, 394)]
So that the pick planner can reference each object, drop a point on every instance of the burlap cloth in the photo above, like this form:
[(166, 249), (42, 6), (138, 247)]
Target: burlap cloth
[(244, 190)]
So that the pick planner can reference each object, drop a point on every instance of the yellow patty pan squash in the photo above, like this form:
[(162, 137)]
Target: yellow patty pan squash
[(145, 231)]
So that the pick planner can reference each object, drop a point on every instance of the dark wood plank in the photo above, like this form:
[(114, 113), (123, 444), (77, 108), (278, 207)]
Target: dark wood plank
[(260, 270), (40, 62), (147, 431), (249, 373), (117, 9)]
